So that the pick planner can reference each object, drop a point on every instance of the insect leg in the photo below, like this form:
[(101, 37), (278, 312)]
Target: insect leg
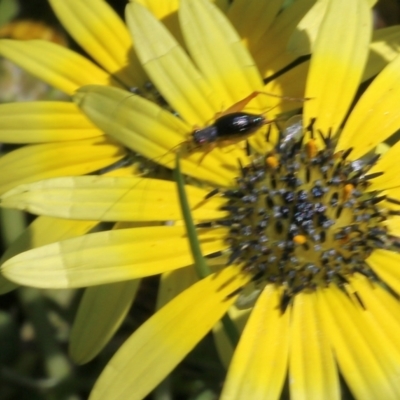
[(240, 105), (298, 99)]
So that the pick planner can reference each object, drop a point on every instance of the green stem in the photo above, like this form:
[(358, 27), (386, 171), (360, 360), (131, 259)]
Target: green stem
[(200, 263)]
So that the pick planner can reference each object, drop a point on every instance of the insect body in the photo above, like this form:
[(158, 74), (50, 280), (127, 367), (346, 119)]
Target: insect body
[(233, 125), (228, 128)]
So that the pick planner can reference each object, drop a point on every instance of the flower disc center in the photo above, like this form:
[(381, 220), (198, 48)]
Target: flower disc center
[(302, 217)]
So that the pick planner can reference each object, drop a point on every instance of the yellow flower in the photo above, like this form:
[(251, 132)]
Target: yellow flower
[(311, 224), (64, 143)]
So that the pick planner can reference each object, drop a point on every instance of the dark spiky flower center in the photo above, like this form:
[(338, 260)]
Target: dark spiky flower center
[(302, 217)]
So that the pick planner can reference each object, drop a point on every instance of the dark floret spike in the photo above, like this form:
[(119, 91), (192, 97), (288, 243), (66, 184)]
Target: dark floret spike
[(338, 167), (268, 134), (269, 202), (395, 243), (324, 139), (234, 256), (393, 201), (242, 169), (224, 222), (232, 209), (308, 174), (373, 160), (377, 199), (257, 276), (285, 301), (205, 225), (298, 289), (278, 227), (329, 134), (212, 193), (357, 296), (299, 144), (234, 293), (310, 127), (372, 176), (273, 181), (346, 153), (342, 279), (248, 149), (214, 255)]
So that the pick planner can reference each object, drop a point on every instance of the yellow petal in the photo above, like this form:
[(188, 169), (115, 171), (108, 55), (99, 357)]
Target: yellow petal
[(167, 12), (271, 52), (105, 198), (253, 18), (312, 369), (162, 342), (259, 365), (42, 231), (388, 354), (161, 10), (45, 230), (54, 64), (169, 68), (173, 283), (23, 28), (101, 33), (223, 5), (219, 54), (337, 63), (376, 111), (303, 38), (155, 133), (44, 121), (222, 342), (393, 223), (100, 313), (392, 195), (110, 256), (292, 84), (383, 306), (388, 164), (35, 162), (386, 265), (384, 48), (360, 363)]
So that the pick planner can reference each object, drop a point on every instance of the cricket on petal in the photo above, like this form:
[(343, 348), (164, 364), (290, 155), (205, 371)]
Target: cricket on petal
[(232, 125)]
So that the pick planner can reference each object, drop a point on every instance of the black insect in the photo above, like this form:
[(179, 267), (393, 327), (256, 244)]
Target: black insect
[(234, 125), (228, 128)]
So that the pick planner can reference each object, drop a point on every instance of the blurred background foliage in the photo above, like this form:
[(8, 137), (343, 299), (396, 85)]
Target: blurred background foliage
[(35, 324)]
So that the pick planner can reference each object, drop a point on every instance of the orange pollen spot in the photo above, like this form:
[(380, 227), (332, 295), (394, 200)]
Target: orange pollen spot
[(272, 162), (347, 190), (344, 240), (299, 239), (311, 148)]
